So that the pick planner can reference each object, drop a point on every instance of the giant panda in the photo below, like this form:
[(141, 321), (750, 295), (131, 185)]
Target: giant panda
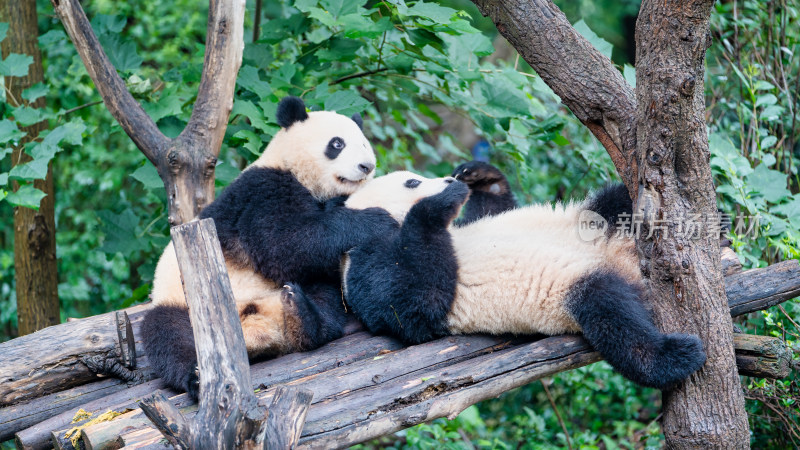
[(490, 192), (282, 226), (524, 271)]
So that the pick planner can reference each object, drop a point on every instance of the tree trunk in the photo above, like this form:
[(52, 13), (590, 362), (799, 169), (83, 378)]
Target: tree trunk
[(676, 190), (34, 231)]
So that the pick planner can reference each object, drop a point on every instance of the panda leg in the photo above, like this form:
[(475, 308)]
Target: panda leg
[(169, 342), (314, 316), (614, 321)]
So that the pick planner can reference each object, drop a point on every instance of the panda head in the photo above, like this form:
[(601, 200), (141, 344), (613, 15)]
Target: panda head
[(327, 152), (397, 192)]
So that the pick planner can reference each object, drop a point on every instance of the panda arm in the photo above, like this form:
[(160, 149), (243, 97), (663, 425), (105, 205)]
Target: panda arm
[(405, 284)]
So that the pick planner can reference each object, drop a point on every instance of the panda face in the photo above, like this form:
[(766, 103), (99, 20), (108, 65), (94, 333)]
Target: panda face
[(327, 152), (397, 192)]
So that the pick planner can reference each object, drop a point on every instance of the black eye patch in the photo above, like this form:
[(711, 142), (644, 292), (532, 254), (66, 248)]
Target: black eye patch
[(412, 183), (335, 146)]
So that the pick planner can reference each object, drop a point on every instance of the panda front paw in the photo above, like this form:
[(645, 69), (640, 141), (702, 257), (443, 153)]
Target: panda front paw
[(477, 173), (442, 208)]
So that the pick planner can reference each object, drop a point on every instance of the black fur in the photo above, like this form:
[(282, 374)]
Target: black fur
[(615, 322), (289, 236), (320, 307), (490, 192), (404, 283), (335, 147), (291, 110), (611, 202), (169, 343), (358, 120), (267, 219)]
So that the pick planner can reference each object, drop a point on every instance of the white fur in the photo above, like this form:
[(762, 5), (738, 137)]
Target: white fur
[(515, 268), (389, 192), (300, 149)]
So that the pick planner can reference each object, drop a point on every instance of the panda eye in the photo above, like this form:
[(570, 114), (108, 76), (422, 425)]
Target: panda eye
[(412, 183), (335, 146)]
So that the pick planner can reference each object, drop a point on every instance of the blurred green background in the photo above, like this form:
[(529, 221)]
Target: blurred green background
[(437, 86)]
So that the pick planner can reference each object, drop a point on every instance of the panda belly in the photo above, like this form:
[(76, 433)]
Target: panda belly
[(258, 302), (516, 270)]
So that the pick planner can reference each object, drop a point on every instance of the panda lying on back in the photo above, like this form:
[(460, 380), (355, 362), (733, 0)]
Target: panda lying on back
[(524, 271), (281, 222)]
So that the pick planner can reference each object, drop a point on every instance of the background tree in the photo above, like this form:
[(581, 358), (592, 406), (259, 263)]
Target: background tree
[(34, 218)]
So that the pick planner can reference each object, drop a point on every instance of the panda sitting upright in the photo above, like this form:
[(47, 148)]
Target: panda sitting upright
[(523, 271), (283, 228)]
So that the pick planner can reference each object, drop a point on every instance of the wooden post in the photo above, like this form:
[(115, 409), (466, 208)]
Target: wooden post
[(228, 415)]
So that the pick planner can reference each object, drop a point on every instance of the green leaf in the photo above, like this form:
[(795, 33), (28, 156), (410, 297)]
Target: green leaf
[(766, 99), (9, 131), (253, 141), (148, 176), (121, 52), (726, 157), (33, 170), (790, 210), (226, 173), (169, 104), (629, 73), (104, 23), (3, 30), (15, 65), (251, 111), (346, 103), (26, 116), (762, 85), (339, 8), (250, 80), (340, 49), (71, 133), (51, 37), (768, 142), (34, 92), (120, 232), (431, 11), (3, 179), (599, 43), (27, 196), (771, 184), (771, 113)]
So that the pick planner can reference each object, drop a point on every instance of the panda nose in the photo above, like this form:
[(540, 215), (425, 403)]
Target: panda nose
[(366, 167), (449, 180)]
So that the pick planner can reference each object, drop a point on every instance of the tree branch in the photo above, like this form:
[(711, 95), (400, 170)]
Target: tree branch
[(223, 57), (120, 103), (587, 82)]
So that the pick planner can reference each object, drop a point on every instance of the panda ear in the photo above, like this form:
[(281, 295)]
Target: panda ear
[(358, 120), (291, 110)]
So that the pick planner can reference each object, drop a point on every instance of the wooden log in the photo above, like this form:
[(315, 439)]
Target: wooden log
[(413, 400), (378, 368), (758, 289), (730, 261), (762, 356), (339, 353), (287, 414), (51, 360), (229, 414)]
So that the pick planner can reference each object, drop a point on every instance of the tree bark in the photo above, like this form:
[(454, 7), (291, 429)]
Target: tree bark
[(586, 80), (186, 164), (34, 231), (676, 188)]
